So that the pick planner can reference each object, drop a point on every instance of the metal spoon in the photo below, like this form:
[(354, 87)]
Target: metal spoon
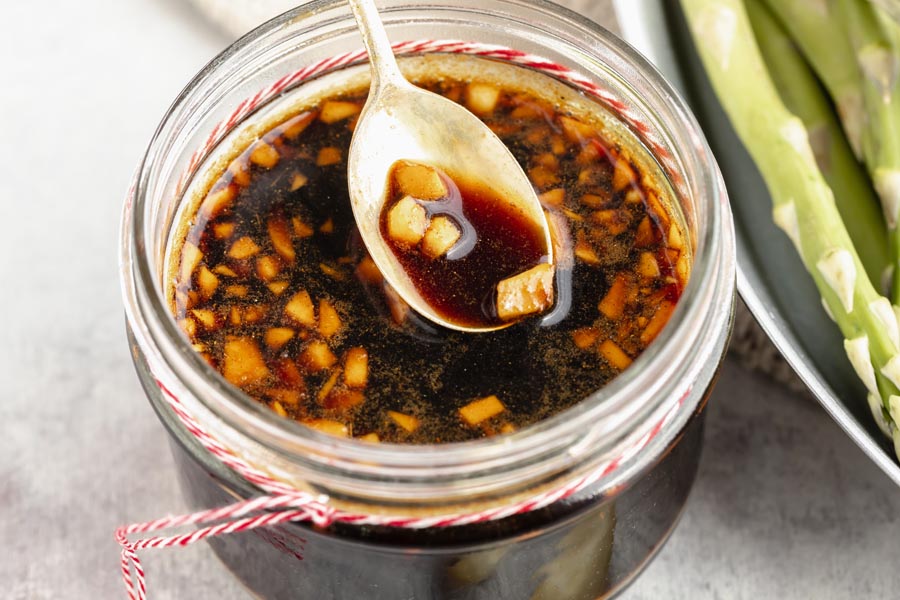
[(402, 121)]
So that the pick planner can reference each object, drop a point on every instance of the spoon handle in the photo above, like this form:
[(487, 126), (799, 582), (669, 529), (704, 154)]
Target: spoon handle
[(385, 71)]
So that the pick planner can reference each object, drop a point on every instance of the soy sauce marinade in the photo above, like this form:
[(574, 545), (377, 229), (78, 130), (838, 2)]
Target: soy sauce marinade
[(457, 240), (276, 291)]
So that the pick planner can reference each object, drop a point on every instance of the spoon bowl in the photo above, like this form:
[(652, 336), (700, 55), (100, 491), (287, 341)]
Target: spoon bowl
[(403, 122)]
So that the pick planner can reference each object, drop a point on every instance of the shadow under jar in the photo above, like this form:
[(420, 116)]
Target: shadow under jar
[(636, 440)]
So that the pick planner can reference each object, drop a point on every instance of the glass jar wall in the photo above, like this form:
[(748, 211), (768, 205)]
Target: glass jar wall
[(648, 420)]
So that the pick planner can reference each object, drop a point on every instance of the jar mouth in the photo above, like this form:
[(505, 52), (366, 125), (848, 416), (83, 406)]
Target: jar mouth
[(596, 424)]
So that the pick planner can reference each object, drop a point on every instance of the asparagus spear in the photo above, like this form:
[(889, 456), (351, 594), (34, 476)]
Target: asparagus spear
[(814, 25), (803, 204), (804, 97), (850, 54), (881, 139), (891, 8)]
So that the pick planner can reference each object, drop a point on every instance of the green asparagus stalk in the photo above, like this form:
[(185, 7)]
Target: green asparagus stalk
[(803, 96), (891, 8), (852, 56), (814, 26), (888, 13), (803, 204), (878, 64)]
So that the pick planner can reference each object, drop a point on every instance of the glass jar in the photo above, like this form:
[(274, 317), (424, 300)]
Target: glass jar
[(634, 445)]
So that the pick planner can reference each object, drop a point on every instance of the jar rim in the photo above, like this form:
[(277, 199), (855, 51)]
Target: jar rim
[(625, 402)]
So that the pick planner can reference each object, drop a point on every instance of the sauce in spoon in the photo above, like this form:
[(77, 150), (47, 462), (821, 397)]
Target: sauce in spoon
[(458, 242)]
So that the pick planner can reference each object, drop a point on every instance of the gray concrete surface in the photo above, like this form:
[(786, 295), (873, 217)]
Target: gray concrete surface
[(785, 505)]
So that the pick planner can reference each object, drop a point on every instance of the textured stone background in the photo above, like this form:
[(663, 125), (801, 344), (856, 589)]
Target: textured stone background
[(785, 505)]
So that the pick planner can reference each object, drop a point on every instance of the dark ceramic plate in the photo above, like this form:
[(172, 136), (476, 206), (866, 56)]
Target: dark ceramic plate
[(771, 279)]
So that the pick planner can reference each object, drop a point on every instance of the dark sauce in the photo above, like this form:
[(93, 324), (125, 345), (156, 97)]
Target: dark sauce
[(497, 241), (275, 290)]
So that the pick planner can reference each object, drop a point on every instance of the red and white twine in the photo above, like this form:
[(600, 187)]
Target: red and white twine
[(281, 502)]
